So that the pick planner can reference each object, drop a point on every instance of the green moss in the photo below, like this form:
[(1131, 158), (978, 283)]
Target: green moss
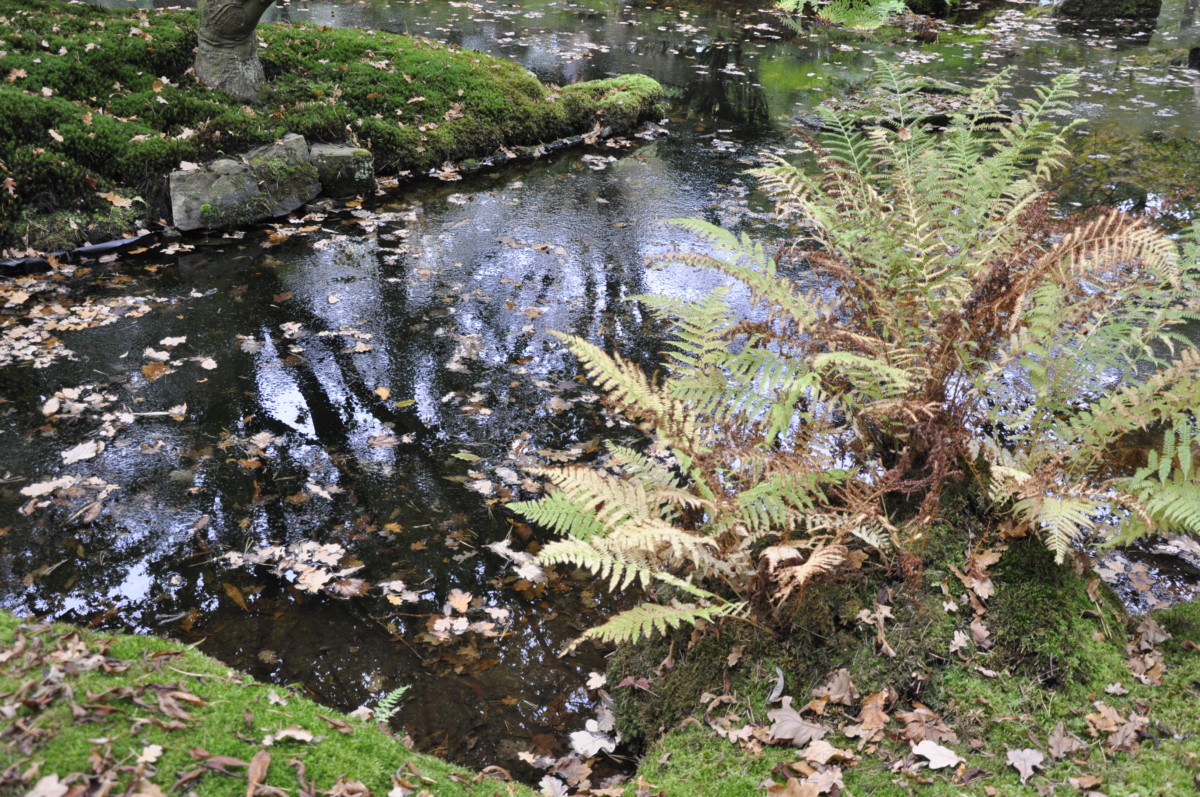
[(62, 230), (235, 716), (991, 715), (128, 112)]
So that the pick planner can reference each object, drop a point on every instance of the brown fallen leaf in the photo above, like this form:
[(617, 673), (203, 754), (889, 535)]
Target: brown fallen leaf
[(1085, 782), (921, 723), (789, 726), (339, 725), (1104, 720), (1062, 744), (290, 732), (838, 688), (236, 596), (1024, 761), (822, 752), (258, 771), (156, 370)]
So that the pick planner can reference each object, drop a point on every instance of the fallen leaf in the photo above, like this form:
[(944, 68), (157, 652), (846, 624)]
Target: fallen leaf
[(838, 688), (1085, 782), (938, 756), (49, 786), (1062, 744), (921, 723), (150, 753), (383, 392), (822, 752), (290, 732), (257, 772), (156, 370), (1024, 761), (458, 600), (236, 596), (117, 200), (789, 726), (81, 452)]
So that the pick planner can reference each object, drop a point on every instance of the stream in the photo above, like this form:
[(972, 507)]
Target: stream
[(372, 376)]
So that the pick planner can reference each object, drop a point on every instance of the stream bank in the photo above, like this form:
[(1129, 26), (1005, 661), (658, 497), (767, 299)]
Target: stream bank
[(187, 719), (397, 356), (99, 106)]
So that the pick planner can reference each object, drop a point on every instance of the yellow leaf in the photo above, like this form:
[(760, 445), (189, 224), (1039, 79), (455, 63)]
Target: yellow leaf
[(117, 200)]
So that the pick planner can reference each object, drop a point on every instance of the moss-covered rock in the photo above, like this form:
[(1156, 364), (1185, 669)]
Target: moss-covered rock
[(89, 106)]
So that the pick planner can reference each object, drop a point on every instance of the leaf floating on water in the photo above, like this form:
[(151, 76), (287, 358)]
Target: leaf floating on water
[(171, 343), (458, 600), (81, 452), (155, 371), (45, 488), (592, 742), (349, 587), (384, 393), (482, 486)]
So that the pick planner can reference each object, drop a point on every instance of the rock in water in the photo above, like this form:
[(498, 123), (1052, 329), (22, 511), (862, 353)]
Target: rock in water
[(344, 170), (268, 181)]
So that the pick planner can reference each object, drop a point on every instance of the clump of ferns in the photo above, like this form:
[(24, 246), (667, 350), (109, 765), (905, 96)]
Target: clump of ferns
[(951, 328)]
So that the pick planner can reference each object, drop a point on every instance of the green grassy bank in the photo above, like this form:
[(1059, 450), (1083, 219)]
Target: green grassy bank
[(82, 709), (95, 101)]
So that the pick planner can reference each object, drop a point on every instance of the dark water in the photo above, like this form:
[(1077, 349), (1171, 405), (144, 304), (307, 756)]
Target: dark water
[(380, 372)]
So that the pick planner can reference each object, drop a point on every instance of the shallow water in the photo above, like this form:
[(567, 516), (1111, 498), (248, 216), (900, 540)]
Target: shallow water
[(397, 357)]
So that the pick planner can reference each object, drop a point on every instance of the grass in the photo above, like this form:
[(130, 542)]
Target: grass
[(57, 670), (95, 101)]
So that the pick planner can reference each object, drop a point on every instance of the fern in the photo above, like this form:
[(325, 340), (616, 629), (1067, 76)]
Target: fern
[(654, 618), (950, 327)]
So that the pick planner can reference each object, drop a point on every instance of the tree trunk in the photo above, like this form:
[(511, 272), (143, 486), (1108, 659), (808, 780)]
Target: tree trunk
[(227, 57)]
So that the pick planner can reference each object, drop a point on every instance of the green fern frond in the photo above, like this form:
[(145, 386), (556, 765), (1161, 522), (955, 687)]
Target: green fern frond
[(649, 619)]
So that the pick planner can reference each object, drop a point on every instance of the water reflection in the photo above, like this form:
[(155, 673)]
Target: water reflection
[(377, 346)]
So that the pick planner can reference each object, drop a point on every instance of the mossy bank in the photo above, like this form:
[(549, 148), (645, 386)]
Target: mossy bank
[(83, 708), (1057, 649), (96, 102)]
